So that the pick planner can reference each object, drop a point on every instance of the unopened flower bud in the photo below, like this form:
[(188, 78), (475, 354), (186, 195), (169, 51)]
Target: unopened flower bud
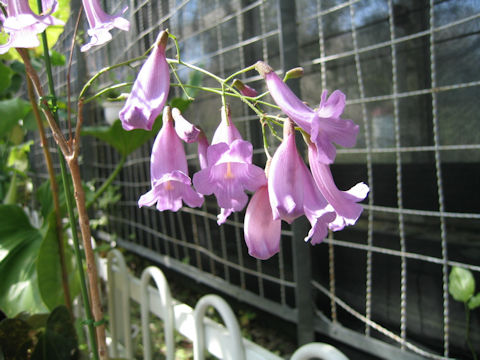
[(244, 89), (294, 73)]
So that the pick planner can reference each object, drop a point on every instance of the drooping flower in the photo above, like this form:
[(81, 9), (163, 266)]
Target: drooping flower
[(150, 90), (261, 231), (23, 25), (169, 172), (317, 209), (185, 130), (101, 23), (285, 179), (324, 124), (229, 170), (343, 202)]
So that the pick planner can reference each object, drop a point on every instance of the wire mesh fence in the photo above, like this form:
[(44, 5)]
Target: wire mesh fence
[(409, 71)]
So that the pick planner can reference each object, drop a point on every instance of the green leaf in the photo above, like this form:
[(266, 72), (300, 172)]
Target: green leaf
[(11, 195), (125, 142), (5, 77), (11, 112), (18, 157), (57, 58), (19, 245), (474, 302), (180, 103), (48, 268), (59, 342), (461, 284)]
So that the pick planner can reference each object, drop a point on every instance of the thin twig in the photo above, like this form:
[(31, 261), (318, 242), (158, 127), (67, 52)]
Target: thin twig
[(56, 131), (56, 202), (69, 68)]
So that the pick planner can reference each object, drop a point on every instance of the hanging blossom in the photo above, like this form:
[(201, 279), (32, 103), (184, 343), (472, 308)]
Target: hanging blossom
[(343, 202), (101, 23), (150, 90), (261, 231), (324, 124), (169, 172), (285, 181), (23, 25), (229, 171), (292, 189), (291, 192)]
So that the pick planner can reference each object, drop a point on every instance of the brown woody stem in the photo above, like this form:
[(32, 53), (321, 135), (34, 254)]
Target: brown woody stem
[(54, 187)]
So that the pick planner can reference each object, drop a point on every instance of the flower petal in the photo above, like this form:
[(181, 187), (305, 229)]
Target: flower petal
[(262, 232), (344, 203), (185, 130), (149, 91), (285, 181)]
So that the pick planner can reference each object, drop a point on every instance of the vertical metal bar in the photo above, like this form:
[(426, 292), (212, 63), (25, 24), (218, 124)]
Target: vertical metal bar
[(368, 145), (438, 168), (403, 284), (331, 248), (301, 252)]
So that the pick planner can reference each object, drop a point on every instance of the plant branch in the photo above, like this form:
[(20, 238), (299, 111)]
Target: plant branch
[(54, 187)]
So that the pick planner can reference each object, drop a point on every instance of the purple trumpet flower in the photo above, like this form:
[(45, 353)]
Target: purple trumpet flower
[(285, 180), (343, 202), (317, 209), (324, 124), (150, 90), (169, 172), (23, 25), (229, 170), (101, 23), (262, 232)]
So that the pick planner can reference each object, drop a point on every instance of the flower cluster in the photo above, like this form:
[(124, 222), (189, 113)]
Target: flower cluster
[(285, 190), (22, 25)]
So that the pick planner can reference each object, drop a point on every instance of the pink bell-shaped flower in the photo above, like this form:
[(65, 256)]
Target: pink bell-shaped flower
[(324, 124), (150, 90), (285, 180), (23, 25), (229, 170), (101, 23), (261, 231), (169, 172), (343, 202)]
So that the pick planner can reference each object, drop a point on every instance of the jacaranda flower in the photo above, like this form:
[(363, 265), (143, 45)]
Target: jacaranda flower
[(324, 124), (23, 25), (150, 90), (285, 180), (343, 202), (317, 209), (101, 23), (229, 170), (262, 232), (169, 172)]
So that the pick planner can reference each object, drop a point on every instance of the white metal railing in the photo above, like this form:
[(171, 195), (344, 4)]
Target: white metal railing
[(206, 334)]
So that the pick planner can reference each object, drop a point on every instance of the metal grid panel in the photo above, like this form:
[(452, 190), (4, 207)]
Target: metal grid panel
[(406, 67), (367, 49)]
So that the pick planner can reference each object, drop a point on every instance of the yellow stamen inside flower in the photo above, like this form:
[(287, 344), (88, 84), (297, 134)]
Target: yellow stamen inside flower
[(168, 186), (229, 174)]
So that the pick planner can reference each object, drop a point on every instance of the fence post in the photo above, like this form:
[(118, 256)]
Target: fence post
[(287, 22)]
